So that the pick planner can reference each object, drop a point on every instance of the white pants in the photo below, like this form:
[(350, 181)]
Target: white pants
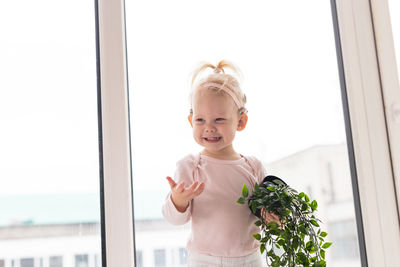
[(202, 260)]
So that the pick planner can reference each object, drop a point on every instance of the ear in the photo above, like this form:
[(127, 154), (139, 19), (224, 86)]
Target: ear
[(190, 120), (242, 121)]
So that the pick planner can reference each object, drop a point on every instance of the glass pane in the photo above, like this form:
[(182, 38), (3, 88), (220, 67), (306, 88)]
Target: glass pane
[(49, 186), (139, 258), (159, 258), (182, 256), (26, 262), (56, 261), (286, 51), (394, 7), (81, 261)]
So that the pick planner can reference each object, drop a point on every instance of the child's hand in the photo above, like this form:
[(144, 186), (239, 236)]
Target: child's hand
[(271, 217), (181, 196)]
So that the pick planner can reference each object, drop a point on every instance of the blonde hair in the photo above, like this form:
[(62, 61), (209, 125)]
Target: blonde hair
[(220, 77)]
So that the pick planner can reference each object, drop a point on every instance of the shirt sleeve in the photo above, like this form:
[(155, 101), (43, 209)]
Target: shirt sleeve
[(184, 173), (259, 169)]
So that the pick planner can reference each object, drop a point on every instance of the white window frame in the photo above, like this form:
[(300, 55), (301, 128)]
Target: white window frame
[(117, 223), (389, 82), (370, 82), (369, 131)]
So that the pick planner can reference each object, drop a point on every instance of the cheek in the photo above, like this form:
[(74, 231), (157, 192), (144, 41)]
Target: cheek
[(229, 130), (196, 131)]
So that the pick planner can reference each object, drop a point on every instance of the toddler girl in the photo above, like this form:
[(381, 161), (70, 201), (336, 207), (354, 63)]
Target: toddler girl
[(206, 185)]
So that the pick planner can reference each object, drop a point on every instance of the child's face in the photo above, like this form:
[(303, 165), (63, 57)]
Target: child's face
[(215, 121)]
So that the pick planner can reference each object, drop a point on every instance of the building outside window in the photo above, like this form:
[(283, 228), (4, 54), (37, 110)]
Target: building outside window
[(345, 235), (27, 262), (81, 260), (160, 258), (139, 258), (56, 261), (182, 256)]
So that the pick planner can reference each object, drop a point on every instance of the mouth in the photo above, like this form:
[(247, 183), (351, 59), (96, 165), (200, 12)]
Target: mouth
[(212, 139)]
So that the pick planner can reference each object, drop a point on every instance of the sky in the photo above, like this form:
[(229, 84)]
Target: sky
[(48, 111)]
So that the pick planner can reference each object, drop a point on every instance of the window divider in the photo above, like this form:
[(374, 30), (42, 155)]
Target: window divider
[(369, 133), (115, 137)]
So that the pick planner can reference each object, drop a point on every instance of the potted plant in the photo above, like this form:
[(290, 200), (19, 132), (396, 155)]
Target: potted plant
[(298, 239)]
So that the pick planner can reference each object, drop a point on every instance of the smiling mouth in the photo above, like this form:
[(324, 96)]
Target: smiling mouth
[(212, 139)]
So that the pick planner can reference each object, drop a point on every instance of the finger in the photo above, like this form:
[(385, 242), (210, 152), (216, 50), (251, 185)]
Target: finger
[(273, 217), (199, 189), (171, 182), (196, 191), (276, 217), (191, 188), (180, 187)]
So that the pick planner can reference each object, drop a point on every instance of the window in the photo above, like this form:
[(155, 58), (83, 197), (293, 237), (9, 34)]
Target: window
[(97, 261), (28, 262), (345, 235), (160, 258), (182, 256), (56, 261), (139, 258), (81, 260), (296, 121), (49, 190)]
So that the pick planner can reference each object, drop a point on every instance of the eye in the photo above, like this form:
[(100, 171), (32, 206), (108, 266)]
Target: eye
[(199, 120), (219, 119)]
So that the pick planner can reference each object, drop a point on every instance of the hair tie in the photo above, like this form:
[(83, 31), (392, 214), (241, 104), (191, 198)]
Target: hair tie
[(226, 90), (217, 70)]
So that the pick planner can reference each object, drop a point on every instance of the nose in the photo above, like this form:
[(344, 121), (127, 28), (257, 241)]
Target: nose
[(210, 128)]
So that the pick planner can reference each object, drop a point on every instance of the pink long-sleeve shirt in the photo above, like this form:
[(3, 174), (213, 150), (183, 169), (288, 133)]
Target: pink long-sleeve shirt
[(220, 226)]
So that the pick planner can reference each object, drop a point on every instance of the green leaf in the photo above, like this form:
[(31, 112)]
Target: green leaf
[(283, 261), (271, 188), (272, 225), (245, 191), (320, 264), (314, 222), (322, 252), (256, 188), (302, 229), (258, 223), (287, 212), (262, 248), (296, 242), (301, 195), (240, 200), (314, 205), (304, 207), (279, 182), (302, 258), (309, 245), (271, 253), (323, 234), (306, 198), (257, 236), (327, 245), (253, 208)]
